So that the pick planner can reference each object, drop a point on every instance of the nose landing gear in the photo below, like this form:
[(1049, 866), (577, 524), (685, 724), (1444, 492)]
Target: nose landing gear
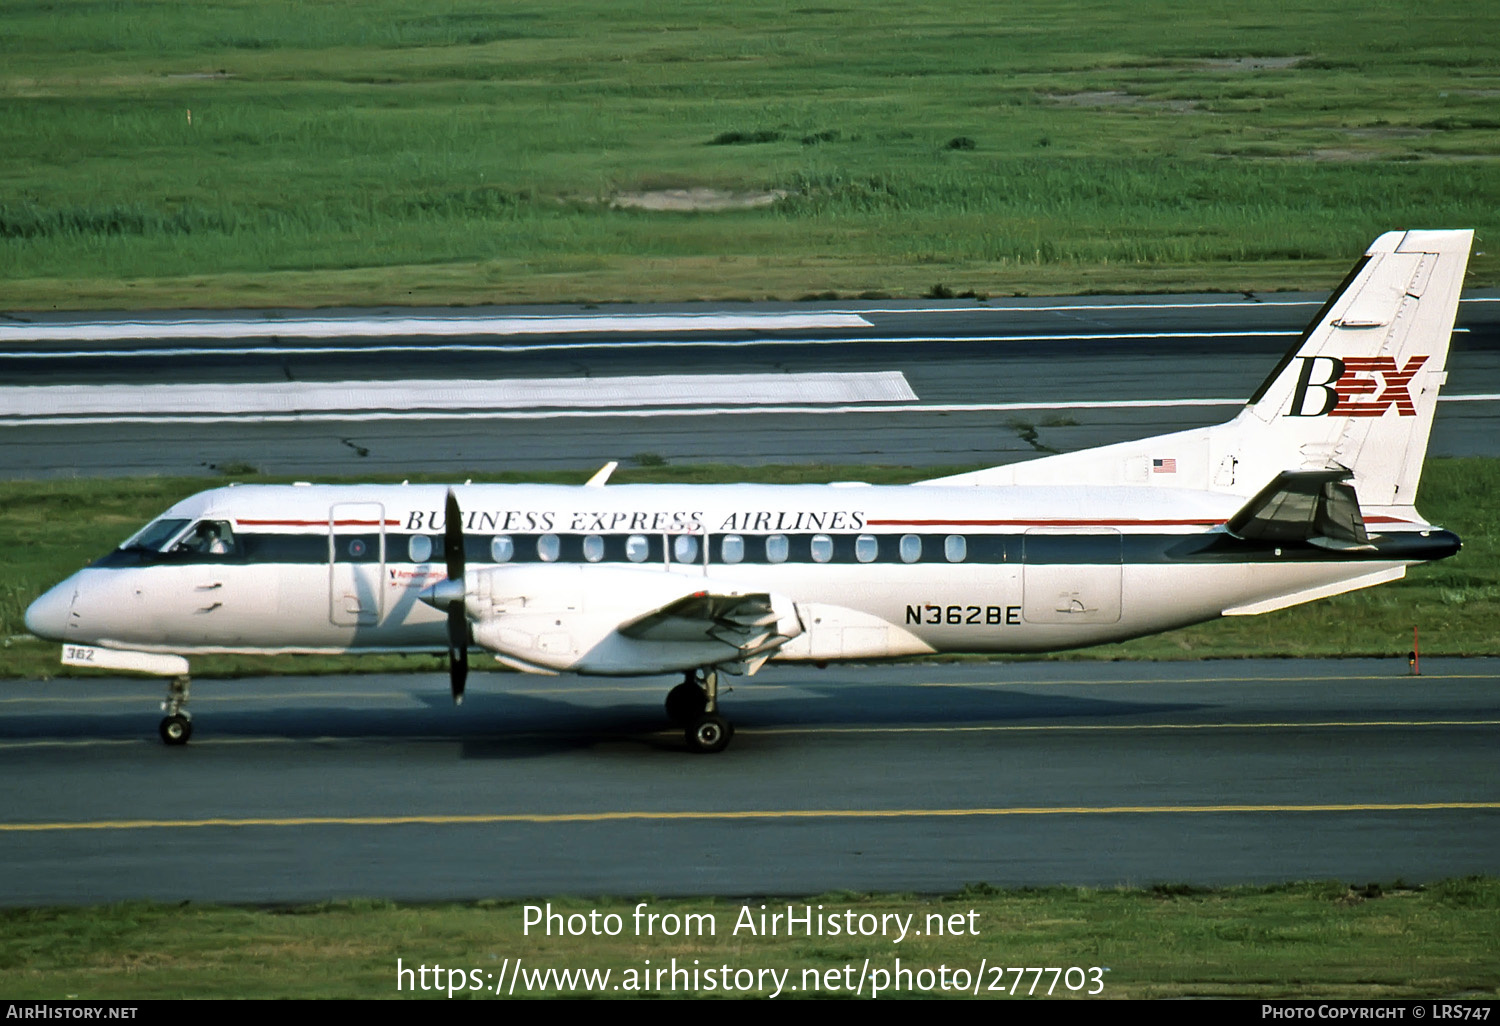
[(177, 726)]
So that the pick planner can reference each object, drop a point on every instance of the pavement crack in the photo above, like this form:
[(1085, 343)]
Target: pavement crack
[(1027, 432), (359, 449)]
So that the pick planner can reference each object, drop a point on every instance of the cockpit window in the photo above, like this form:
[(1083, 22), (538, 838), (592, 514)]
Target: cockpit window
[(208, 538), (154, 535)]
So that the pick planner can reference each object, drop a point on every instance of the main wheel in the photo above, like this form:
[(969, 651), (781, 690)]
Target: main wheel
[(175, 729), (685, 703), (709, 733)]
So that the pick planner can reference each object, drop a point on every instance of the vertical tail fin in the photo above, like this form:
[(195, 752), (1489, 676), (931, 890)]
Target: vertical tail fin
[(1356, 394), (1360, 388)]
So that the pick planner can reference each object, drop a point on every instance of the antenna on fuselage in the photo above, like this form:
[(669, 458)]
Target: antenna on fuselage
[(601, 476)]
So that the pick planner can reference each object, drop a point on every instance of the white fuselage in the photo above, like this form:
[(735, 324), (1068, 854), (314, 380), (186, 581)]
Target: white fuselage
[(856, 571)]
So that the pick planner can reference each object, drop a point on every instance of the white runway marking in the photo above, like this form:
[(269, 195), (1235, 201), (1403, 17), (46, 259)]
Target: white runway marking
[(386, 327), (590, 414), (353, 415), (299, 400), (326, 327), (576, 345), (1237, 304)]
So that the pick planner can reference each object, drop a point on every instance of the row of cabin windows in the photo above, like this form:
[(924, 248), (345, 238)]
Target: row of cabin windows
[(685, 548)]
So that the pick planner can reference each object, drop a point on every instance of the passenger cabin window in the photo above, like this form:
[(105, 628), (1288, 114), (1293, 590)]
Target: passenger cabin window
[(732, 548), (955, 548), (777, 548), (866, 548), (685, 548), (911, 548), (637, 548), (548, 548), (822, 548), (419, 548), (502, 548), (593, 548)]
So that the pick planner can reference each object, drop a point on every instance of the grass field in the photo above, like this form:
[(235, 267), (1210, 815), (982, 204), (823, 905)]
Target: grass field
[(59, 525), (265, 152), (1304, 940)]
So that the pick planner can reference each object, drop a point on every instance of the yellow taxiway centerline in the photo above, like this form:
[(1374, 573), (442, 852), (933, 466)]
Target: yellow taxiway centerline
[(1403, 678), (1022, 728), (483, 819)]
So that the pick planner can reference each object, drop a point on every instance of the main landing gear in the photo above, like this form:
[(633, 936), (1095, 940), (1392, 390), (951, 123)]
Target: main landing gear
[(177, 726), (694, 706)]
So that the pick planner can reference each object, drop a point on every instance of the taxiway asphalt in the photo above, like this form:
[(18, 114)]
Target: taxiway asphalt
[(902, 778)]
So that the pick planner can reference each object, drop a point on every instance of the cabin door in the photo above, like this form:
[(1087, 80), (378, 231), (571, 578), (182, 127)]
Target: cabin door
[(1072, 576), (356, 563)]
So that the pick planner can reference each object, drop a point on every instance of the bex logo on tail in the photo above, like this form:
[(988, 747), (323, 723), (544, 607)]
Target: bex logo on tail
[(1342, 386)]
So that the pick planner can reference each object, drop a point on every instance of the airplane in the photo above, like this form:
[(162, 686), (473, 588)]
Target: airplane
[(1308, 492)]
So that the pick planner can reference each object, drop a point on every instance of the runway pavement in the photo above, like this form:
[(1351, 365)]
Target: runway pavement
[(349, 392), (905, 778)]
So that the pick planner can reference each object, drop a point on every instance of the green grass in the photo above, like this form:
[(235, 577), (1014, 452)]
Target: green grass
[(469, 152), (1302, 940), (59, 525)]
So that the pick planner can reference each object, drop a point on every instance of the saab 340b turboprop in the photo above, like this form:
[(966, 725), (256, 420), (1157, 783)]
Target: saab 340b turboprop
[(1308, 492)]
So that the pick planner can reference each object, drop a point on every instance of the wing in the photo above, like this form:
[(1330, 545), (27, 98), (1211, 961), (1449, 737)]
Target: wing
[(751, 624), (624, 620)]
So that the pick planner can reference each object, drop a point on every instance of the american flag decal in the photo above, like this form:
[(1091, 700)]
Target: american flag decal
[(1168, 466)]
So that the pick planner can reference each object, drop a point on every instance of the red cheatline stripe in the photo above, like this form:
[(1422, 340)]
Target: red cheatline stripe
[(871, 523), (1044, 523), (1081, 523), (316, 523)]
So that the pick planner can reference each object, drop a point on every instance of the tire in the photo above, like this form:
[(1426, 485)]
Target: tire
[(685, 703), (175, 730), (708, 734)]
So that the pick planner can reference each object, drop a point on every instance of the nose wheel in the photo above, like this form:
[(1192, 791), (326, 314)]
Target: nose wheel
[(175, 730), (694, 705), (177, 726)]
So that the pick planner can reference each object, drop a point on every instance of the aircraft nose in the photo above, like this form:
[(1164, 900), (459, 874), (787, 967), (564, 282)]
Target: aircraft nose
[(47, 617)]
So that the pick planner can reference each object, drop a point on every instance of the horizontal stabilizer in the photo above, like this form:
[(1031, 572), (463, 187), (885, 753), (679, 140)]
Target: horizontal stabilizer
[(1322, 591)]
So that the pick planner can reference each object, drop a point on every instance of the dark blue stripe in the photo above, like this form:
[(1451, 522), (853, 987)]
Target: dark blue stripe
[(984, 549)]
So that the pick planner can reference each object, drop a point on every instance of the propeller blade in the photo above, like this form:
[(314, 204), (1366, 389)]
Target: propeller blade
[(458, 619), (453, 538), (458, 651)]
